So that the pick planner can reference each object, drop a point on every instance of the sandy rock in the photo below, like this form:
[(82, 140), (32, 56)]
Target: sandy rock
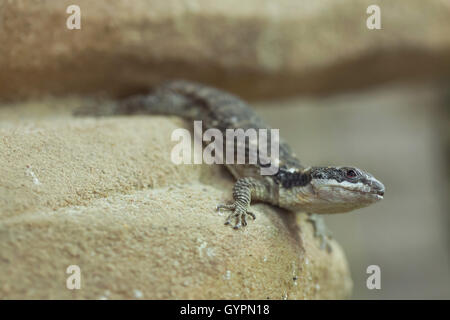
[(101, 194), (254, 48)]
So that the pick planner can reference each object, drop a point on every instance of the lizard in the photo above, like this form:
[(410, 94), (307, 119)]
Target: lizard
[(295, 187)]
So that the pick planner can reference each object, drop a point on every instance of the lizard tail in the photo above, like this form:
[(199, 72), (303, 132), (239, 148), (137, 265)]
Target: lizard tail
[(160, 101)]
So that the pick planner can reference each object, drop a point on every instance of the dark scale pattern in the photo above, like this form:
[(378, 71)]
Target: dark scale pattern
[(338, 174), (328, 173), (217, 109), (292, 179), (221, 110)]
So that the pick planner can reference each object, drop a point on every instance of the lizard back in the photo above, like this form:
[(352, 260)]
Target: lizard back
[(216, 109)]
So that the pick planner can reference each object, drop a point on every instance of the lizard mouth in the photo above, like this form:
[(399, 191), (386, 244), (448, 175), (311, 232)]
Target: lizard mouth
[(378, 193), (378, 196)]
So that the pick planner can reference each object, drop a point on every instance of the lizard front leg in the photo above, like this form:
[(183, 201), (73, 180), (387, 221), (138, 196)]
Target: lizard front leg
[(244, 190)]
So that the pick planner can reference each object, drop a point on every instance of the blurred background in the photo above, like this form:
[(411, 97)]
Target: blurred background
[(341, 93)]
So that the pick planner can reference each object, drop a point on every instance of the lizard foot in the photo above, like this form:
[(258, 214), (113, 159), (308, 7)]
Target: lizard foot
[(320, 231), (239, 214)]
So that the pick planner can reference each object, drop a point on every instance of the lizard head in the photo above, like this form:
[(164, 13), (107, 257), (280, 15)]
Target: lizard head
[(332, 190)]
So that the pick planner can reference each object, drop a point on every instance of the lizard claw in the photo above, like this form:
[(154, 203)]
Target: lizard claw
[(238, 214)]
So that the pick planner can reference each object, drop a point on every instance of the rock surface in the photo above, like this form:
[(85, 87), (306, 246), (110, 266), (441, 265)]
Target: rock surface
[(101, 194), (254, 48)]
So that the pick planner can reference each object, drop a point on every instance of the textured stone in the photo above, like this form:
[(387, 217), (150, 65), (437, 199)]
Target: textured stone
[(102, 194)]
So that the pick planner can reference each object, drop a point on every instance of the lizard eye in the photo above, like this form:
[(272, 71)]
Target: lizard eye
[(351, 173)]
